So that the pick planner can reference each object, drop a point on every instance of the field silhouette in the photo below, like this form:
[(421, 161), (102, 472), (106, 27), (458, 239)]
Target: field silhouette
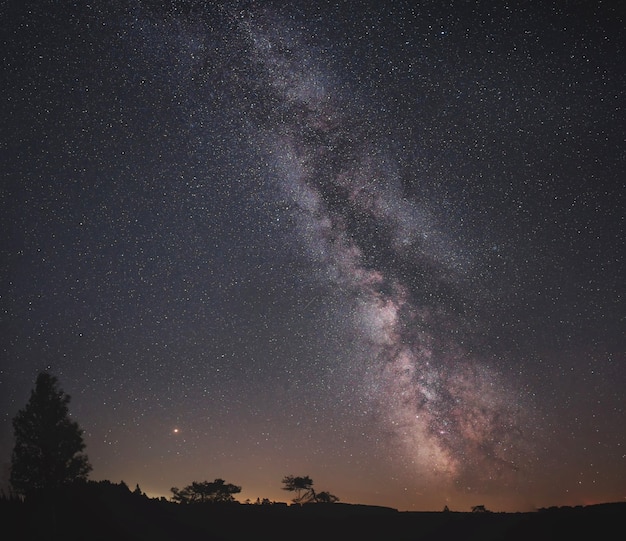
[(102, 510)]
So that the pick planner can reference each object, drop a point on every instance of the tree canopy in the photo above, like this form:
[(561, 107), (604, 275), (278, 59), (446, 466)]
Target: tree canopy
[(48, 451), (217, 491)]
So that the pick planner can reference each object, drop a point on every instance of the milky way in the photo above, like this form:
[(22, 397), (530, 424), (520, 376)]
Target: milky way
[(448, 412)]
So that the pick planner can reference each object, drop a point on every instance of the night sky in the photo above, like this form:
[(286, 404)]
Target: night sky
[(376, 243)]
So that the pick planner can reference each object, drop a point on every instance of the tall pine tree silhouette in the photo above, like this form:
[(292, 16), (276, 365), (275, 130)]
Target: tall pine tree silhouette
[(48, 451)]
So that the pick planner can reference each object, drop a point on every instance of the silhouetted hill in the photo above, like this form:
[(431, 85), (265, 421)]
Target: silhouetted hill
[(106, 511)]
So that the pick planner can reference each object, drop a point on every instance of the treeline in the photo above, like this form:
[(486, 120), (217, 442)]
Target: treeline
[(105, 511), (102, 510), (219, 491)]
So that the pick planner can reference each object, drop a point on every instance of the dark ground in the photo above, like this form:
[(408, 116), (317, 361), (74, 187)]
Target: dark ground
[(113, 514)]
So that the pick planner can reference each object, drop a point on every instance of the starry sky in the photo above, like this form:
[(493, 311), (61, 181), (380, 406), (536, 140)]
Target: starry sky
[(376, 243)]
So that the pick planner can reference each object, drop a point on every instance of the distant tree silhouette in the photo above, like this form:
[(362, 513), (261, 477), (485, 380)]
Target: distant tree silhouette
[(302, 486), (479, 509), (217, 491), (48, 451)]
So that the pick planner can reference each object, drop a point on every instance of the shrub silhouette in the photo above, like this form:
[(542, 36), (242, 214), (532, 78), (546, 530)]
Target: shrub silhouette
[(326, 497)]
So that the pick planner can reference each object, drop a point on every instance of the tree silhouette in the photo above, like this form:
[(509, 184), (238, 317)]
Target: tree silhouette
[(217, 491), (48, 451), (302, 486)]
